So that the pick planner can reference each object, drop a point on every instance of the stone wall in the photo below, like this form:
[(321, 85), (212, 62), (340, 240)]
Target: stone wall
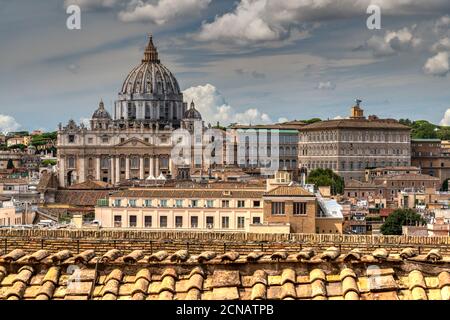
[(195, 242)]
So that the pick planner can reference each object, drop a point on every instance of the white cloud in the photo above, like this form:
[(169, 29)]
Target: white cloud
[(327, 85), (8, 124), (393, 42), (283, 120), (442, 45), (437, 65), (92, 4), (163, 11), (269, 20), (214, 108), (446, 120), (442, 24)]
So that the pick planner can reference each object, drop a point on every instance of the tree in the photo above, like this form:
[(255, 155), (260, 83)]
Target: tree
[(47, 163), (424, 130), (10, 164), (399, 218), (311, 121), (18, 146), (445, 185), (327, 178), (443, 133)]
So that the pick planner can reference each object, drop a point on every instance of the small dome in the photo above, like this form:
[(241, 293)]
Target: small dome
[(193, 113), (101, 112)]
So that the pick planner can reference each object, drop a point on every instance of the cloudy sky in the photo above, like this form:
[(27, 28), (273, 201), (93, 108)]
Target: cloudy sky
[(241, 60)]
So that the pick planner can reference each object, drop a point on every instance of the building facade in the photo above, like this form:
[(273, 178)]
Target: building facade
[(350, 146), (198, 208), (135, 142), (256, 143), (432, 156)]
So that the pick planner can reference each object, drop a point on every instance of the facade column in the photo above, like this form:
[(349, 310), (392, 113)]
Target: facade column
[(157, 172), (117, 170), (62, 171), (112, 171), (127, 168), (171, 167), (141, 168), (97, 168), (152, 165), (82, 175)]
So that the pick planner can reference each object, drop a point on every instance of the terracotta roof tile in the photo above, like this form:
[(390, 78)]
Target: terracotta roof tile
[(323, 277)]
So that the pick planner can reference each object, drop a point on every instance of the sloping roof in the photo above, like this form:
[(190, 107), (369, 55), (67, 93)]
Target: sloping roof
[(290, 191), (144, 275), (47, 181), (353, 184), (90, 185), (80, 198), (408, 176), (357, 124), (3, 198)]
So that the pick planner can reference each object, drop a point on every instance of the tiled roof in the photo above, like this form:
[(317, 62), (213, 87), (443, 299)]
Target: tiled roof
[(356, 124), (408, 176), (80, 198), (140, 275), (358, 184), (291, 191), (47, 181), (91, 185)]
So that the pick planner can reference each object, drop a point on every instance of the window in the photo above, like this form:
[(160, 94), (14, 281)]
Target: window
[(134, 163), (71, 138), (133, 221), (122, 140), (148, 221), (117, 203), (256, 204), (194, 222), (210, 222), (299, 208), (117, 221), (241, 204), (178, 222), (105, 140), (210, 203), (147, 203), (241, 222), (194, 203), (163, 222), (256, 220), (278, 208), (225, 222), (132, 203), (225, 203), (90, 140), (71, 163), (163, 203), (104, 163), (178, 203)]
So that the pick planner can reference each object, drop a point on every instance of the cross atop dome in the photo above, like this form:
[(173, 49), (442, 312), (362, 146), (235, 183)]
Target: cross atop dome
[(151, 53)]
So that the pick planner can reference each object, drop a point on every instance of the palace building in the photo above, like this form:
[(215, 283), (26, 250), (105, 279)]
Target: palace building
[(135, 142), (350, 146)]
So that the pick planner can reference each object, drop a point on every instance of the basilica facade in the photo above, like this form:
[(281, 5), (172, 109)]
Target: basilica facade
[(134, 143)]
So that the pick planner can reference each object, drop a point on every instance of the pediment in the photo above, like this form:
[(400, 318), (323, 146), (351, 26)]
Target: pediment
[(134, 143)]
